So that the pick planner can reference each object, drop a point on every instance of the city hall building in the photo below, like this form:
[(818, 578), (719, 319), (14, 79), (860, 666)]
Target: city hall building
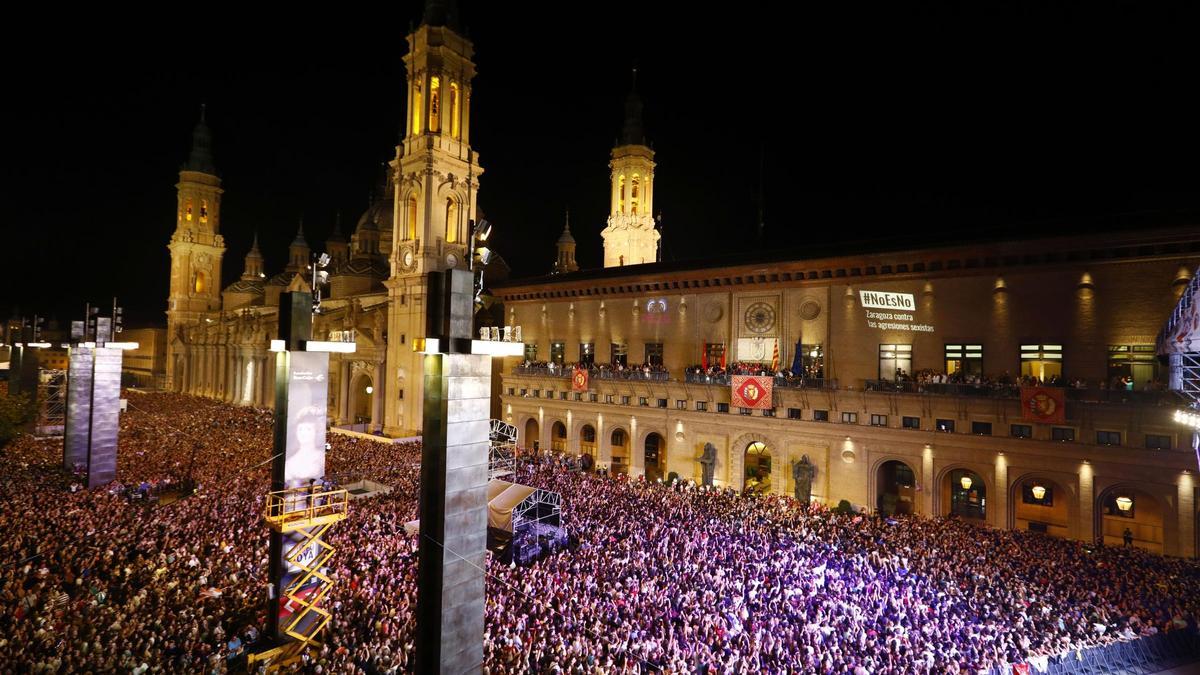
[(867, 328), (861, 336)]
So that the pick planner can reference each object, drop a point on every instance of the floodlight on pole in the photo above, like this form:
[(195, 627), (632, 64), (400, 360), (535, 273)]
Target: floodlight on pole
[(1190, 418)]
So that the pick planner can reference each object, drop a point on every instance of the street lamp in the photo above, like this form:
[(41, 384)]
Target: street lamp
[(1039, 492), (966, 482), (1124, 503)]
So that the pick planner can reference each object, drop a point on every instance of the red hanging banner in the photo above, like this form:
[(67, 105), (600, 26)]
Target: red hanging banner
[(579, 380), (1043, 404), (751, 391)]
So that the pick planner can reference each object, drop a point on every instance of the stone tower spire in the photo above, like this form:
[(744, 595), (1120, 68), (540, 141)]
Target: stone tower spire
[(253, 269), (565, 262), (336, 245), (298, 251), (434, 182), (630, 237), (196, 246)]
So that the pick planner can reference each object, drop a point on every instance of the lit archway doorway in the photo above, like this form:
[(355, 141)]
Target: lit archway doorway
[(758, 468), (895, 487), (361, 392), (587, 441), (1130, 517), (964, 495), (558, 437), (1041, 505), (531, 434), (620, 451), (656, 457)]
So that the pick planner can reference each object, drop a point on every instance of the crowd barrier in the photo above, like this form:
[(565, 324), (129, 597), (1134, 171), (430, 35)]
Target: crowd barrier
[(1142, 656)]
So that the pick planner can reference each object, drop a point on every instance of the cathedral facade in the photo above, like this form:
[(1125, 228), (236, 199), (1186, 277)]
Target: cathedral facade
[(218, 338)]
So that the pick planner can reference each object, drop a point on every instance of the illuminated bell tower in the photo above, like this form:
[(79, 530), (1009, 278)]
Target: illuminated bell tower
[(196, 246), (436, 184), (630, 237)]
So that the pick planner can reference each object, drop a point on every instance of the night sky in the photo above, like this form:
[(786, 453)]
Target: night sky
[(921, 125)]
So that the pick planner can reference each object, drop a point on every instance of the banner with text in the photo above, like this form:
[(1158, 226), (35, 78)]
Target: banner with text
[(751, 391), (891, 311), (1043, 404)]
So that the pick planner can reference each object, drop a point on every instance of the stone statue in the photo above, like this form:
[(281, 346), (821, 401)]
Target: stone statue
[(483, 332), (380, 325), (803, 472), (708, 462)]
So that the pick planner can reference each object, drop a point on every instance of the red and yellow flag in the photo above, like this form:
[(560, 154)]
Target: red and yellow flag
[(1043, 404), (579, 379)]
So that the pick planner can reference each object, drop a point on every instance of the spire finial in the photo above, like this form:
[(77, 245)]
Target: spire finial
[(300, 240), (201, 159), (565, 237), (254, 244), (441, 13), (632, 133)]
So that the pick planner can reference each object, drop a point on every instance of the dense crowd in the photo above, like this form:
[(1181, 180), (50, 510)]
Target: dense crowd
[(656, 578), (962, 377)]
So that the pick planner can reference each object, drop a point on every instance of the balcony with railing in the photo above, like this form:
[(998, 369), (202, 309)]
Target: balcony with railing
[(635, 373), (986, 390), (1013, 391)]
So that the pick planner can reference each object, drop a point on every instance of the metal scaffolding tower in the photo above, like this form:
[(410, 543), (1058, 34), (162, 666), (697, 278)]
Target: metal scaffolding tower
[(51, 402), (304, 515)]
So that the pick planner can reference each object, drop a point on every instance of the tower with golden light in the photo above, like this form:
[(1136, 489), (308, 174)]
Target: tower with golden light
[(630, 237), (436, 184), (196, 246)]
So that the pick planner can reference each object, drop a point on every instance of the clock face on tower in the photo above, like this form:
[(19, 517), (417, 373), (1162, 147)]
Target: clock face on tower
[(407, 258), (451, 260)]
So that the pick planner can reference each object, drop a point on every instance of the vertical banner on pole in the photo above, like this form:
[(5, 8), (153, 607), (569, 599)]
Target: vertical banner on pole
[(308, 389), (106, 402), (79, 409), (300, 406)]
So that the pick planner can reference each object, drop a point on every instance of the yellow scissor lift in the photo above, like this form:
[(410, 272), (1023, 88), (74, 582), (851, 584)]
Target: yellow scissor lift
[(311, 511)]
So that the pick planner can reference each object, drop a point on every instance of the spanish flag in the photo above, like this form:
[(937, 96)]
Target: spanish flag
[(775, 358)]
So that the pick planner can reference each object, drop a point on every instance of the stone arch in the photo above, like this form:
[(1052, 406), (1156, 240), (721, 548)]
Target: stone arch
[(876, 489), (410, 214), (621, 455), (943, 493), (529, 432), (737, 458), (1154, 536), (558, 435), (1064, 504), (657, 468), (360, 399), (585, 446), (638, 447)]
